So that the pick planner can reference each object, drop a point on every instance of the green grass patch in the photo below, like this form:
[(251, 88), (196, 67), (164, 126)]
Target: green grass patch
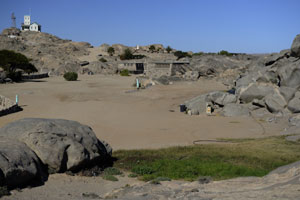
[(110, 178), (112, 171), (242, 157)]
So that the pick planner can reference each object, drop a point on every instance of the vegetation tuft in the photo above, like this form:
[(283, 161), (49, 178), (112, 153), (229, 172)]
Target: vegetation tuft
[(255, 157), (112, 171), (110, 178), (71, 76)]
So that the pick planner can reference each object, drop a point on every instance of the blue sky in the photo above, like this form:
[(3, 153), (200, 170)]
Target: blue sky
[(250, 26)]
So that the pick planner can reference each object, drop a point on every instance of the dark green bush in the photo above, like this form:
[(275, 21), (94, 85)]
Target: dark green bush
[(152, 48), (71, 76), (181, 54), (111, 51), (127, 55), (11, 61), (225, 53), (124, 72), (102, 60), (168, 49)]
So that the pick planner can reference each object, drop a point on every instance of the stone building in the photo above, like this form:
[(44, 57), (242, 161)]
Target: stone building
[(154, 68)]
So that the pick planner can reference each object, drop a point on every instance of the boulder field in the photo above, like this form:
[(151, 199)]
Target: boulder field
[(271, 82)]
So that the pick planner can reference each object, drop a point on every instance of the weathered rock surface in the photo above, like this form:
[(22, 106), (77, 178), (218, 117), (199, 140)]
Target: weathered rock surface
[(289, 75), (294, 104), (221, 98), (60, 144), (275, 102), (254, 91), (233, 110), (18, 163), (295, 49)]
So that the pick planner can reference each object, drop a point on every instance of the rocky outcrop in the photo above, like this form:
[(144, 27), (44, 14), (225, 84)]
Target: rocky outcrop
[(295, 49), (46, 51), (60, 144)]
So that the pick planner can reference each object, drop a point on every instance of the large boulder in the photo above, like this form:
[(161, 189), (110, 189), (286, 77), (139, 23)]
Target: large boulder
[(18, 163), (275, 102), (221, 98), (289, 75), (234, 110), (294, 104), (254, 91), (287, 92), (60, 144), (295, 49), (197, 104), (295, 120)]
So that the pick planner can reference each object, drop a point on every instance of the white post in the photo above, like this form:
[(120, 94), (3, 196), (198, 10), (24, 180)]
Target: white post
[(17, 99), (137, 83)]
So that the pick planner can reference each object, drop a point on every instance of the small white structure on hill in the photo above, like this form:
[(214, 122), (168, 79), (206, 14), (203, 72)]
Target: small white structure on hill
[(28, 26)]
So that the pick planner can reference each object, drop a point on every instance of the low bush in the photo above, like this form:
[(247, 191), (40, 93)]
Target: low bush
[(132, 175), (124, 72), (71, 76), (181, 54), (102, 60), (168, 49), (225, 53), (111, 51)]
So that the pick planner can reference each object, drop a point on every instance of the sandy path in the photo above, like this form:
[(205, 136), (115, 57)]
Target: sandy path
[(129, 120)]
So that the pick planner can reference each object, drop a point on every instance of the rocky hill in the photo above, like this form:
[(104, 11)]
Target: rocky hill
[(56, 56)]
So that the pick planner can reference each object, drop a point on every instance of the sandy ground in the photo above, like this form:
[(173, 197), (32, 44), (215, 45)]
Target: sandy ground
[(125, 118), (128, 119)]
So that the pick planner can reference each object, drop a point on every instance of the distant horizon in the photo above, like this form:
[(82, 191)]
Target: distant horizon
[(237, 26)]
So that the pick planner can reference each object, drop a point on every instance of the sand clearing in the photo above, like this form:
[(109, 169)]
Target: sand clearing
[(148, 118)]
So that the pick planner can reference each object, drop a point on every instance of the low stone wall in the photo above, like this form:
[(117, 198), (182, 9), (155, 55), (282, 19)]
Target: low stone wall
[(35, 76), (8, 106)]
